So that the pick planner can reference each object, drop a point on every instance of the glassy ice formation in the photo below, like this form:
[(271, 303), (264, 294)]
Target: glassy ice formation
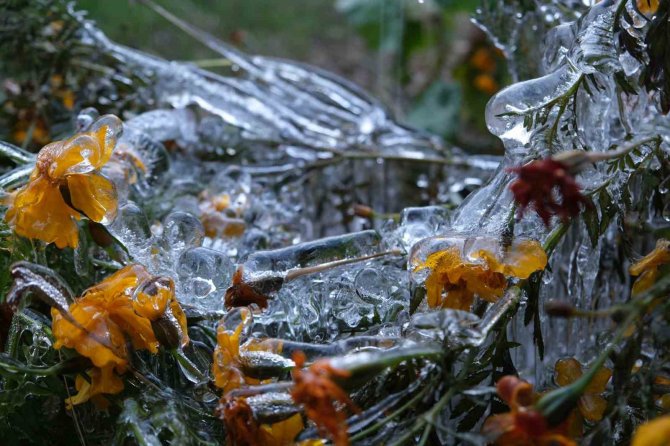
[(301, 183), (251, 167)]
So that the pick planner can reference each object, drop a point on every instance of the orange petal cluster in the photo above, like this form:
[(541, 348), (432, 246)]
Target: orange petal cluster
[(591, 404), (99, 322), (66, 185), (647, 7), (523, 425), (456, 276), (219, 217), (647, 268), (316, 390), (653, 433), (243, 429), (227, 364)]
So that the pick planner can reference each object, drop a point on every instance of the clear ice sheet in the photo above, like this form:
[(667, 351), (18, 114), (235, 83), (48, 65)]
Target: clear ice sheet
[(261, 167)]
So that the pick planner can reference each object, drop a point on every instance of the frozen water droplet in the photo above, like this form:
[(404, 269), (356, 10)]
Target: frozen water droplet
[(181, 230), (203, 276), (370, 286), (131, 226)]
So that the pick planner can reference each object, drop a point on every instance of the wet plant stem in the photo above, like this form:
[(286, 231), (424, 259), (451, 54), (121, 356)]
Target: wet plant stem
[(188, 365), (373, 428), (557, 404), (299, 272), (16, 154)]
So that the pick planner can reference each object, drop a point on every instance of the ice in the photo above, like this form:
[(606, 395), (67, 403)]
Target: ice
[(264, 167), (131, 227), (277, 262), (181, 230), (370, 286), (419, 223), (203, 276)]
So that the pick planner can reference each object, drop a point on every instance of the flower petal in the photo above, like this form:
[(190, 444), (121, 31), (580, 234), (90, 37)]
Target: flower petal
[(599, 381), (653, 433), (83, 152), (118, 284), (93, 195), (100, 340), (592, 407), (107, 130), (659, 256), (524, 258), (283, 432), (39, 212), (103, 381), (74, 155), (138, 328), (567, 371)]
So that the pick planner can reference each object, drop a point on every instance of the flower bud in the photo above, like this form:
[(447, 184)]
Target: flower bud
[(167, 331), (557, 308)]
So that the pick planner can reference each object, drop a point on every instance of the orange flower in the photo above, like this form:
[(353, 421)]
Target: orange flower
[(653, 433), (99, 321), (647, 268), (65, 185), (647, 7), (228, 361), (458, 273), (483, 59), (316, 390), (102, 381), (486, 83), (156, 300), (591, 404), (243, 429), (523, 425), (219, 218), (226, 366)]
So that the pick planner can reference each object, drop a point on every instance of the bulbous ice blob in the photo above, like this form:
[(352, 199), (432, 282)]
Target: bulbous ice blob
[(182, 230), (131, 225), (203, 276)]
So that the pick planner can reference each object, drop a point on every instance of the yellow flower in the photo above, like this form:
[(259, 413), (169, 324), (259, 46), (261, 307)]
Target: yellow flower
[(462, 268), (647, 268), (243, 429), (227, 364), (647, 7), (65, 185), (591, 404), (281, 433), (653, 433), (102, 381), (219, 218), (100, 320), (157, 300)]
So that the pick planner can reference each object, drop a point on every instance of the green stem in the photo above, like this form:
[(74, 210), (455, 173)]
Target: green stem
[(426, 421), (383, 421), (17, 367), (554, 237), (188, 365), (556, 405)]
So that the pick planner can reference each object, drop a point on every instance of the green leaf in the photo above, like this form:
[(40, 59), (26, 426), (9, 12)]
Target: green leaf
[(591, 222), (473, 416)]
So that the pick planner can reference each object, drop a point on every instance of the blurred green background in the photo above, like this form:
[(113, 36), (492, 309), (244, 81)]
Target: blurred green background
[(424, 59)]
